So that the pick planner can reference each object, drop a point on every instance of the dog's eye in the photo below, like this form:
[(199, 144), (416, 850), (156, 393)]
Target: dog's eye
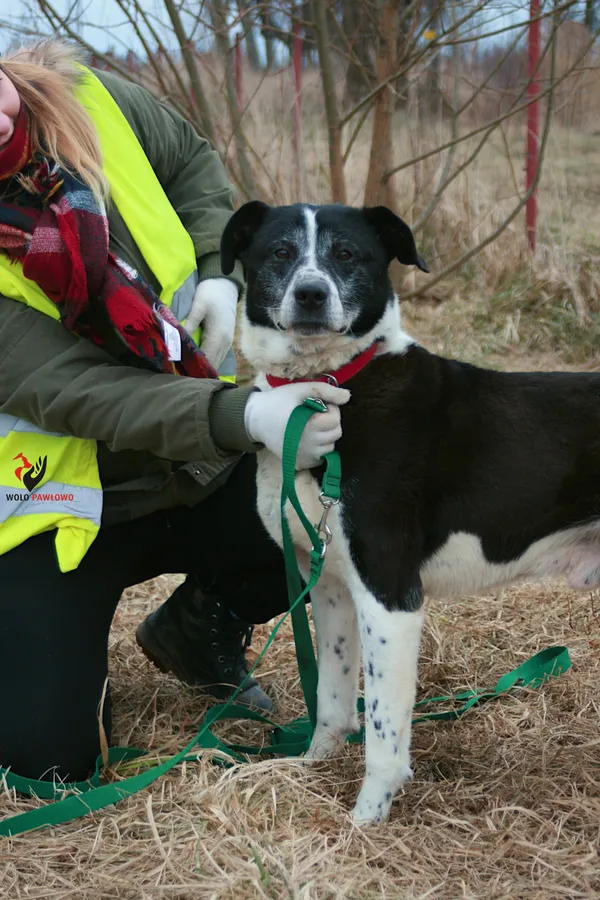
[(282, 253), (343, 255)]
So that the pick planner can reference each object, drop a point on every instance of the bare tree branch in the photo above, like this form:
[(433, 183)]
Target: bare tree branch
[(222, 39), (192, 70), (458, 263), (494, 123)]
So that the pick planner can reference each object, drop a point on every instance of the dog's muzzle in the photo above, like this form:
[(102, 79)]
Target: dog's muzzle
[(311, 304)]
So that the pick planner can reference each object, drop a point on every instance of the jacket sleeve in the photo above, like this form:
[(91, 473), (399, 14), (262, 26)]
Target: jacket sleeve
[(65, 384), (189, 170)]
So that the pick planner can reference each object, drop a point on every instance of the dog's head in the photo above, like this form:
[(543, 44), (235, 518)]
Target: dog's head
[(317, 276)]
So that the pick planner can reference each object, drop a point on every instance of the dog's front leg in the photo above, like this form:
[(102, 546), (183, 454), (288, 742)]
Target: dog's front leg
[(390, 643), (339, 662)]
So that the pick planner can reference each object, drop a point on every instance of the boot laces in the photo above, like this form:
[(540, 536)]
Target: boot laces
[(231, 638)]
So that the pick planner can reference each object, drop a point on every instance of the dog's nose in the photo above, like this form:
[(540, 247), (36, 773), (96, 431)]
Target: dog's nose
[(311, 295)]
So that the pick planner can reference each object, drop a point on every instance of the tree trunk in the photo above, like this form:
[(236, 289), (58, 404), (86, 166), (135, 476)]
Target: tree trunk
[(378, 189), (219, 21), (336, 160), (590, 15), (249, 24), (268, 35), (358, 30), (401, 85), (189, 60), (308, 49)]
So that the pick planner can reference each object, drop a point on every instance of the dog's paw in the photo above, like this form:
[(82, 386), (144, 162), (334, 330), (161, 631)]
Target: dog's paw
[(375, 797), (364, 817), (327, 739), (324, 744)]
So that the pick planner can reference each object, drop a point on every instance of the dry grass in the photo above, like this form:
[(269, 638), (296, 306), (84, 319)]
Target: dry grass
[(505, 802)]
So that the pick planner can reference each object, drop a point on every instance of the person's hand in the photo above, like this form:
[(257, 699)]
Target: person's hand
[(267, 412), (214, 309)]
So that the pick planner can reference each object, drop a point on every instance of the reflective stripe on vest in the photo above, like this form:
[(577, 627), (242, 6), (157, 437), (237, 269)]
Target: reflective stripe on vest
[(183, 296), (12, 423), (48, 481), (227, 368), (52, 497), (51, 481)]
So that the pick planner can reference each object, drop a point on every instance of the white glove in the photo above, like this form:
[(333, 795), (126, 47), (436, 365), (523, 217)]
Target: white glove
[(266, 416), (214, 308)]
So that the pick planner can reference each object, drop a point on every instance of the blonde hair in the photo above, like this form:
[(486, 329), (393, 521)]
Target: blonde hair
[(45, 76)]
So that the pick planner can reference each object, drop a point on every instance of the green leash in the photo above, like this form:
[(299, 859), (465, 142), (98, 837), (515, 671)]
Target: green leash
[(74, 800)]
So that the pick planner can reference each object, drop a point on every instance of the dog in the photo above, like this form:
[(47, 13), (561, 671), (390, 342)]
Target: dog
[(455, 479)]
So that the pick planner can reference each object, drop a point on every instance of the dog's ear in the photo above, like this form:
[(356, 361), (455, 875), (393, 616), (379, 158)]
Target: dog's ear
[(239, 232), (395, 235)]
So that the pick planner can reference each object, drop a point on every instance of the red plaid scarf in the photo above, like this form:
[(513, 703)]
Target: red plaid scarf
[(58, 229)]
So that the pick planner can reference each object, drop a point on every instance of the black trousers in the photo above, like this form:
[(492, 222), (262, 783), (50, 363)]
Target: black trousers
[(54, 627)]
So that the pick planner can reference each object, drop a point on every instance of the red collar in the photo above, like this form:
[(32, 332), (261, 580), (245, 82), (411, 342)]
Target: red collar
[(345, 373)]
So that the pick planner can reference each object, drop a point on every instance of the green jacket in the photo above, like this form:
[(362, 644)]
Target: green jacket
[(163, 440)]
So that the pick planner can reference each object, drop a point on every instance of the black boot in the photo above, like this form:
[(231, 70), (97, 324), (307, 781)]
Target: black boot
[(194, 637)]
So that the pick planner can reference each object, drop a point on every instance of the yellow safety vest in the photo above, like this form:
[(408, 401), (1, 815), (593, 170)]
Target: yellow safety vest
[(51, 481)]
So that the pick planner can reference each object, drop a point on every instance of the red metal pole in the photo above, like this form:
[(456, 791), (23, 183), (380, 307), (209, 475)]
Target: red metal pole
[(533, 121), (297, 120), (238, 72)]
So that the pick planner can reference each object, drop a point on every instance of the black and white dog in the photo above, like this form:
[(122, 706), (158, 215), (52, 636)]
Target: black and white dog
[(455, 479)]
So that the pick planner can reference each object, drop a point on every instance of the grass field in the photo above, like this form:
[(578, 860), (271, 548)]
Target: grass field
[(506, 801)]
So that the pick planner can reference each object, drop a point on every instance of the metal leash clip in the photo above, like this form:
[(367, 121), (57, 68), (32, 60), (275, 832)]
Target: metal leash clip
[(323, 529), (316, 403), (331, 379)]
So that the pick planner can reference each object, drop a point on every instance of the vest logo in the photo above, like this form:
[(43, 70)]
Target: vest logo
[(29, 474)]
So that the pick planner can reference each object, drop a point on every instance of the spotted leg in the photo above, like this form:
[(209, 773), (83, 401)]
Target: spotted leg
[(339, 660), (390, 642)]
